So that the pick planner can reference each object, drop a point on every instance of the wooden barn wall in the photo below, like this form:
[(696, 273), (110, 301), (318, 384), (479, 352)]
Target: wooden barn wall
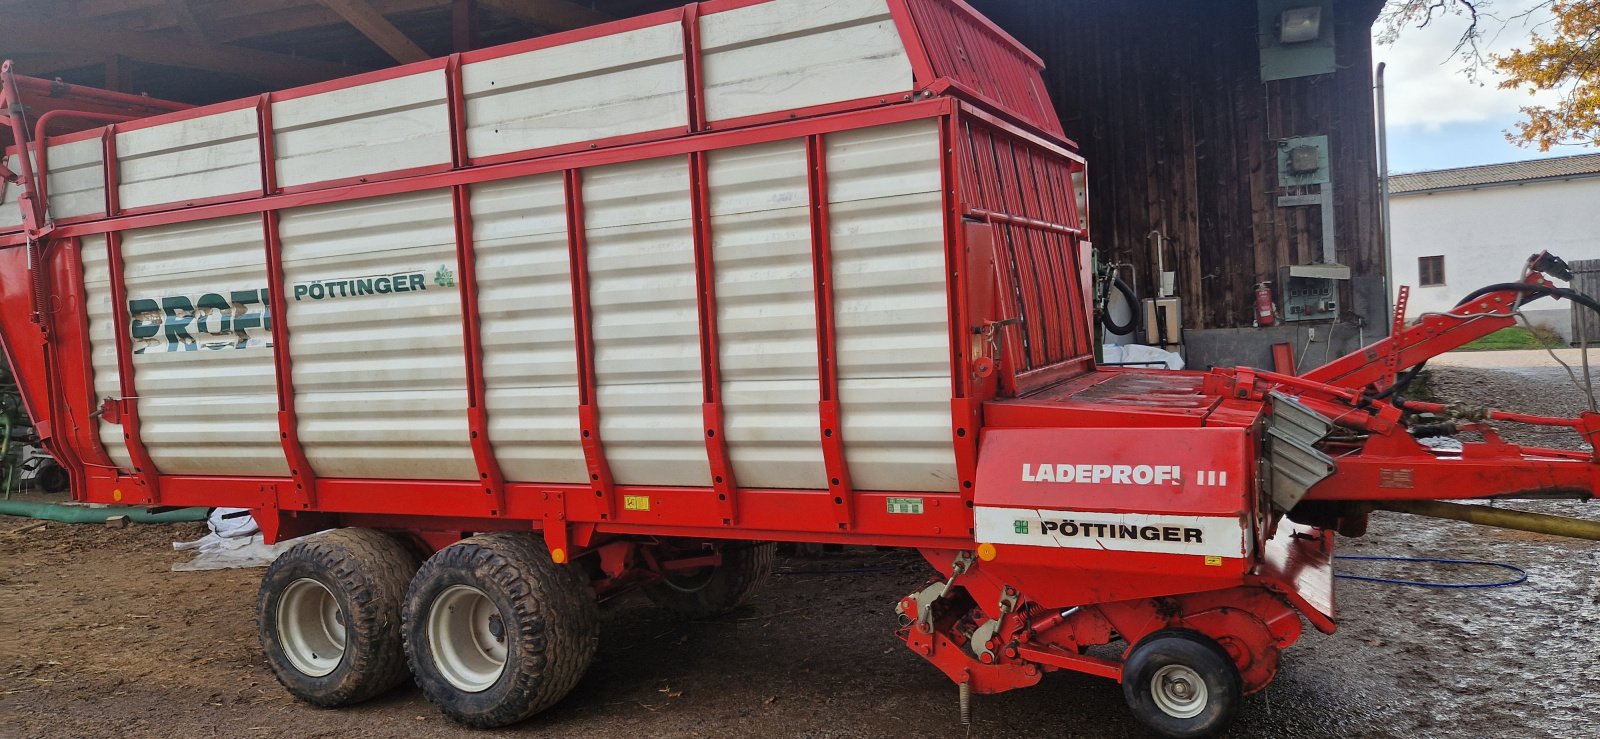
[(1181, 136)]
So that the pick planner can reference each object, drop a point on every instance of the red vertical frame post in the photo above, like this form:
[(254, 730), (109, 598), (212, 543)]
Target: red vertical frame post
[(113, 172), (694, 74), (128, 407), (88, 423), (594, 452), (267, 144), (722, 480), (829, 410), (966, 412), (300, 471), (457, 102), (489, 475), (72, 421), (65, 428)]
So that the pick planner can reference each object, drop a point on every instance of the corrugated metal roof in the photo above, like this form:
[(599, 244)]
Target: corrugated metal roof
[(1582, 165)]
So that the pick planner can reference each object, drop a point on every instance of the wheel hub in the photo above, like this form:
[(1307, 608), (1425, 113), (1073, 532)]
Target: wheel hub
[(467, 638), (311, 629), (1178, 691)]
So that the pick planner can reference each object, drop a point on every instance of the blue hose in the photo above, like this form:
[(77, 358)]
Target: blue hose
[(1521, 574)]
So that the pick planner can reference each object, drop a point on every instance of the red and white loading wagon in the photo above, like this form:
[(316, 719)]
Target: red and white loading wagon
[(591, 311)]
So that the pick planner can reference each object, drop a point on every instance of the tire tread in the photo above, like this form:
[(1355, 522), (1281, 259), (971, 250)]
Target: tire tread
[(373, 570), (556, 613), (745, 568)]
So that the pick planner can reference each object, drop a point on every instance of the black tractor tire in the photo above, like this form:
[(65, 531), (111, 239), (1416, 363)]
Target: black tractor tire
[(714, 591), (548, 624), (52, 477), (1199, 683), (364, 573)]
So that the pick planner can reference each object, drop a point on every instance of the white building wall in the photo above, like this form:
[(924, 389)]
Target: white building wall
[(1486, 234)]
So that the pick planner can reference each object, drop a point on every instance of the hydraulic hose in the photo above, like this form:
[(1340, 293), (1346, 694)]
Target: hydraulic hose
[(1121, 329), (1518, 575), (87, 514), (1539, 290)]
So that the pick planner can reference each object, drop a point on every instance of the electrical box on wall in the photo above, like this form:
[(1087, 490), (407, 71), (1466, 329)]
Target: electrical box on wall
[(1303, 160), (1311, 292)]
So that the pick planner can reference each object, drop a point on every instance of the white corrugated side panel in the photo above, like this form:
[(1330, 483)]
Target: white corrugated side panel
[(525, 309), (890, 306), (380, 379), (766, 314), (187, 160), (615, 85), (646, 324), (10, 212), (402, 123), (103, 341), (210, 406), (77, 178), (785, 55)]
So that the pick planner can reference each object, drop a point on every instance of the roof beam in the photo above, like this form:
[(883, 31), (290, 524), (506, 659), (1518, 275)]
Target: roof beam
[(378, 29), (188, 21), (228, 25), (41, 64), (560, 15), (29, 34)]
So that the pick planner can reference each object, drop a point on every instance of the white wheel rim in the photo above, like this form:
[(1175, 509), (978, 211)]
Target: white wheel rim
[(311, 628), (467, 637), (1178, 691)]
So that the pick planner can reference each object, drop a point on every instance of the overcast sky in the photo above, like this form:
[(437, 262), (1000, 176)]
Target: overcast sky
[(1437, 117)]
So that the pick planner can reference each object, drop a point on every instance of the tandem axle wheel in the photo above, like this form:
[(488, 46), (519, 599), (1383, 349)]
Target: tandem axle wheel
[(1180, 683), (328, 616)]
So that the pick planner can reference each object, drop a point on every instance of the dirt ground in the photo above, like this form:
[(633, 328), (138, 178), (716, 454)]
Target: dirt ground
[(99, 639)]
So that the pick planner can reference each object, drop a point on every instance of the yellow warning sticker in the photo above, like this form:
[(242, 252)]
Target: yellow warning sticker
[(1213, 561), (636, 502)]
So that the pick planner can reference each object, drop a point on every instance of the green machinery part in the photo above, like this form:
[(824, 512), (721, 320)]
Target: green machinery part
[(97, 514)]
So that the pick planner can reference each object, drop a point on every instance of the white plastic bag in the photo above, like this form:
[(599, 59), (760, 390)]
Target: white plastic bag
[(234, 541)]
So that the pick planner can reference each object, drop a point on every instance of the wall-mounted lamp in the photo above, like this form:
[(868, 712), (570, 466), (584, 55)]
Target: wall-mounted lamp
[(1299, 25)]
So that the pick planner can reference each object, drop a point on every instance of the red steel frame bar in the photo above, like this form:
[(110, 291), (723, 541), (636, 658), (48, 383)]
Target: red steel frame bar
[(128, 406), (112, 102), (966, 413), (82, 423), (594, 453), (305, 494), (15, 113), (489, 475), (457, 100), (301, 473), (829, 407), (113, 175), (268, 145), (695, 76), (722, 480)]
